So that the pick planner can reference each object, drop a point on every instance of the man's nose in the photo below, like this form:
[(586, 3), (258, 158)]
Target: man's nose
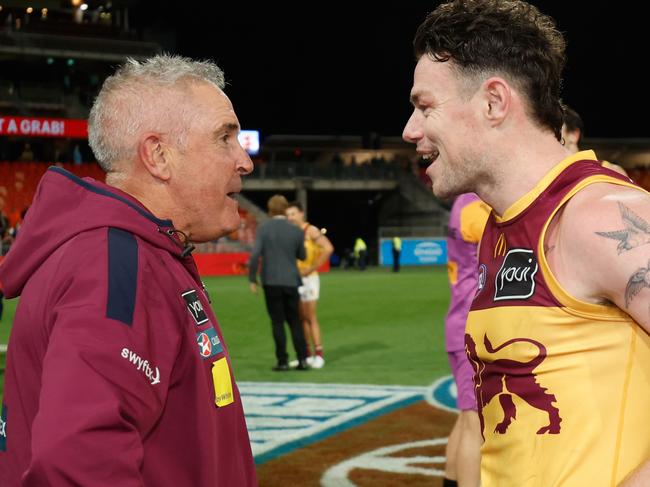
[(413, 130)]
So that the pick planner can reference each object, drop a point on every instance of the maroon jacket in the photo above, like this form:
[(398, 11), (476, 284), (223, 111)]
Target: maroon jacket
[(109, 378)]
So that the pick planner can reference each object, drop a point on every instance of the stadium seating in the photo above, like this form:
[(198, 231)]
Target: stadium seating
[(228, 255), (18, 181)]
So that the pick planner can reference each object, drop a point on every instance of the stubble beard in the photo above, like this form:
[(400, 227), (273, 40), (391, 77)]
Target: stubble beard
[(463, 178)]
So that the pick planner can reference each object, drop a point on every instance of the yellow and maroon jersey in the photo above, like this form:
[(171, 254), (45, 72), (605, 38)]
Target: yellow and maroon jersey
[(562, 386), (312, 251)]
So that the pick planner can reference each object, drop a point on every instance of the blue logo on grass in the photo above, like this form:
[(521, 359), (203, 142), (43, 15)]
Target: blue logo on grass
[(443, 394)]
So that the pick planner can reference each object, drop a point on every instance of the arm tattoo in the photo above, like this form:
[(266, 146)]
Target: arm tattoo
[(635, 233), (639, 280)]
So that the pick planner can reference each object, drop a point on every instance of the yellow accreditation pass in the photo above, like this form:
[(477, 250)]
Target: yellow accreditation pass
[(222, 383)]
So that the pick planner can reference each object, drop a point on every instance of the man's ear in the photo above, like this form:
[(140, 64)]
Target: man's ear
[(155, 156), (497, 99)]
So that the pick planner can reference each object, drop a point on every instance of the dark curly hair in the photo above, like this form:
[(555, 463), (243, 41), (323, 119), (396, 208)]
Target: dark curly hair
[(509, 37), (573, 121)]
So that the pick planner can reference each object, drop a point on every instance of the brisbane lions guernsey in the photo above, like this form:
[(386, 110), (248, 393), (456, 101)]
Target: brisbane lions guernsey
[(562, 386), (312, 251)]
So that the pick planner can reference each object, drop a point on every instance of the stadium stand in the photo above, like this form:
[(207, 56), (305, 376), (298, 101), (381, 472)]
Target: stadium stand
[(18, 181)]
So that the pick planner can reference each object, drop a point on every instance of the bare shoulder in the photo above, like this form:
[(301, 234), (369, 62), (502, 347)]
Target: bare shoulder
[(618, 215), (602, 240), (313, 232), (319, 238)]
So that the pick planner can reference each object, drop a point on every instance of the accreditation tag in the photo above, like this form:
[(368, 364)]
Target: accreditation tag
[(222, 383)]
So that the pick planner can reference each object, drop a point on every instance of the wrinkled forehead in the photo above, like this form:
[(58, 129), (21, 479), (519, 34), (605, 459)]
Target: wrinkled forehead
[(212, 104)]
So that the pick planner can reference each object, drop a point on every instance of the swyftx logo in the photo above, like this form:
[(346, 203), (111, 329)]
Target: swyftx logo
[(516, 277), (3, 428), (142, 365)]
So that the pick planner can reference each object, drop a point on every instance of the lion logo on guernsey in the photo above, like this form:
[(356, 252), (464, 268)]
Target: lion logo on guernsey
[(505, 377)]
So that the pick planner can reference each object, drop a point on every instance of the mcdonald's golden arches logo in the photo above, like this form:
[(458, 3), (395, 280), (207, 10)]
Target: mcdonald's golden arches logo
[(501, 246)]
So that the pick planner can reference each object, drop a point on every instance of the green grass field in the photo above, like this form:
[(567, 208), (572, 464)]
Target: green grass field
[(378, 327)]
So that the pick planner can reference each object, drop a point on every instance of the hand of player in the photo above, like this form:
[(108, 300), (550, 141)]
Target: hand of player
[(253, 287)]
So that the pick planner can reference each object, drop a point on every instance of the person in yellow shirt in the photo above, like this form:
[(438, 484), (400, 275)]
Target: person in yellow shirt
[(360, 253), (397, 251), (319, 249)]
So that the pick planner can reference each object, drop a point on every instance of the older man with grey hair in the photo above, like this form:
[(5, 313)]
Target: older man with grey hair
[(117, 371)]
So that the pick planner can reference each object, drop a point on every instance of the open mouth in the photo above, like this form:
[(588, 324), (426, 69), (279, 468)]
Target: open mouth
[(430, 156)]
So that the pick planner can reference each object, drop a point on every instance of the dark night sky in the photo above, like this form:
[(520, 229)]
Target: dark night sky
[(346, 67)]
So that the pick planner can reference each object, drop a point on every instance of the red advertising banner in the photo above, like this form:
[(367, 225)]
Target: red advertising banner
[(222, 264), (230, 264), (43, 127)]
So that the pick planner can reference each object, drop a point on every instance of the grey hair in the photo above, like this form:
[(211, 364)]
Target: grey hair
[(145, 95)]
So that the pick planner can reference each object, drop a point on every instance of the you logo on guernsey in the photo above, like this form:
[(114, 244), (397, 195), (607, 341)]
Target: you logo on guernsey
[(195, 307), (516, 277)]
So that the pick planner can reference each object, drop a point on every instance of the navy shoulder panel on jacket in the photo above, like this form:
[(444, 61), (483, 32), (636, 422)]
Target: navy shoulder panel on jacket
[(122, 275)]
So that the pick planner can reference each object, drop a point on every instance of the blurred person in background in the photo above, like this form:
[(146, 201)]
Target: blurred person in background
[(4, 229), (318, 249), (27, 154), (360, 253), (117, 371), (5, 243), (573, 130), (278, 244), (396, 247), (466, 223)]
